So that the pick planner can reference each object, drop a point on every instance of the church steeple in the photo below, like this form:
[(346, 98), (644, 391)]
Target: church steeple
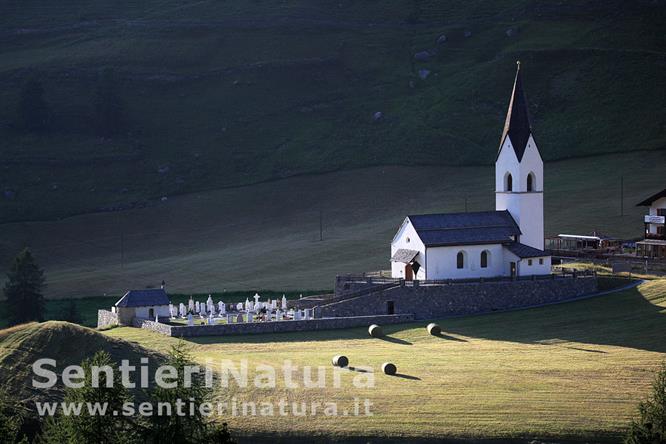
[(519, 170), (517, 124)]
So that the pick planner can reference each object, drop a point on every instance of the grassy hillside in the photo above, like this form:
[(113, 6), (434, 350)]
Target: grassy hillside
[(220, 94), (68, 344), (266, 236), (573, 370)]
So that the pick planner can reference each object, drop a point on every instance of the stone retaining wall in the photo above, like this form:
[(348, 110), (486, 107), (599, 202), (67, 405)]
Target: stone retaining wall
[(106, 318), (436, 301), (272, 327)]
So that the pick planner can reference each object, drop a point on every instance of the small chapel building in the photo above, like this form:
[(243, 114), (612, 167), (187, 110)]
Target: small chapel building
[(506, 242), (148, 304)]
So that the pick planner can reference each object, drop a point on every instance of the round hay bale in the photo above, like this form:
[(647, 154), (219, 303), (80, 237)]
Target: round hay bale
[(389, 369), (340, 361), (434, 329), (375, 331)]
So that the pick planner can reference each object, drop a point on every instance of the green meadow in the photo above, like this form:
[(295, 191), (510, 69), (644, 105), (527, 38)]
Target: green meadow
[(573, 371)]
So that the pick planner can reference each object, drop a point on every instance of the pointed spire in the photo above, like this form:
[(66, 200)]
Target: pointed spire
[(517, 125)]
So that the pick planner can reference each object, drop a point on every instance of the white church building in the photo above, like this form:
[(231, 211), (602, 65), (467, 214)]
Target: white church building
[(506, 242)]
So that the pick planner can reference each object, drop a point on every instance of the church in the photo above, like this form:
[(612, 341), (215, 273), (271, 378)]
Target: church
[(506, 242)]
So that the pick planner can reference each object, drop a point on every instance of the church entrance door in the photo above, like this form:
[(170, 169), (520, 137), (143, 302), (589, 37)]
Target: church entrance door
[(409, 273)]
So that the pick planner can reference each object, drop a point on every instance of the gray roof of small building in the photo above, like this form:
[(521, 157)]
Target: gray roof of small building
[(404, 256), (485, 227), (144, 298), (525, 251)]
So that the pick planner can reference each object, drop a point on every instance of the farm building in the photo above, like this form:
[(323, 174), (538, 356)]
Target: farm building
[(506, 242), (594, 242), (654, 244), (142, 304)]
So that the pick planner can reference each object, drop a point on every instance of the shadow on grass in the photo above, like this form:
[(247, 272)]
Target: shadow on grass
[(322, 335), (359, 369), (449, 338), (395, 340), (410, 377), (625, 319), (586, 350)]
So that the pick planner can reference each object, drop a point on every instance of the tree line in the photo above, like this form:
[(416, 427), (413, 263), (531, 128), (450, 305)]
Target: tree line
[(34, 114)]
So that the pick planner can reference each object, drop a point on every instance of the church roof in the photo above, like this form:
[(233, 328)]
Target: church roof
[(648, 202), (517, 124), (144, 298), (525, 251), (484, 227)]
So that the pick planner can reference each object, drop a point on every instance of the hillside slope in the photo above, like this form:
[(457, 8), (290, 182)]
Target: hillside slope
[(68, 344), (266, 236), (216, 94)]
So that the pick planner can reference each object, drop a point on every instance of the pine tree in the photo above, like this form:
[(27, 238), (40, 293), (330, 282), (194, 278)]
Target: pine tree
[(23, 290), (188, 428), (11, 420), (651, 425), (101, 429), (33, 111)]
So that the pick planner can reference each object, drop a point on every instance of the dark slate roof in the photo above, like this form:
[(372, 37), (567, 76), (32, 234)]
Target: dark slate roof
[(143, 298), (485, 227), (648, 202), (404, 256), (517, 124), (523, 251)]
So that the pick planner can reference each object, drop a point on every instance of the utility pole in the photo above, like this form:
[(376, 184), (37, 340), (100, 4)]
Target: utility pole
[(122, 242), (621, 195)]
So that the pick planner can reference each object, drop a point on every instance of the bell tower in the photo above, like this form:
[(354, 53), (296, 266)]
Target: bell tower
[(519, 170)]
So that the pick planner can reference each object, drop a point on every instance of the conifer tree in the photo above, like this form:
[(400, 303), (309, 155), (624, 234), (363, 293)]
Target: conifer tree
[(189, 428), (651, 424), (23, 290), (98, 428)]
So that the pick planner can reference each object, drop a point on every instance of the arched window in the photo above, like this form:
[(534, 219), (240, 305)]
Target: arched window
[(460, 260), (530, 182), (484, 258), (508, 182)]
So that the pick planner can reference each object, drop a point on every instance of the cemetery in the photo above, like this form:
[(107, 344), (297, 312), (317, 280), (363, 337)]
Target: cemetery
[(357, 302), (209, 318)]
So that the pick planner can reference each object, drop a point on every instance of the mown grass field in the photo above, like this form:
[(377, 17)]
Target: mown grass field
[(219, 94), (569, 371), (266, 236)]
